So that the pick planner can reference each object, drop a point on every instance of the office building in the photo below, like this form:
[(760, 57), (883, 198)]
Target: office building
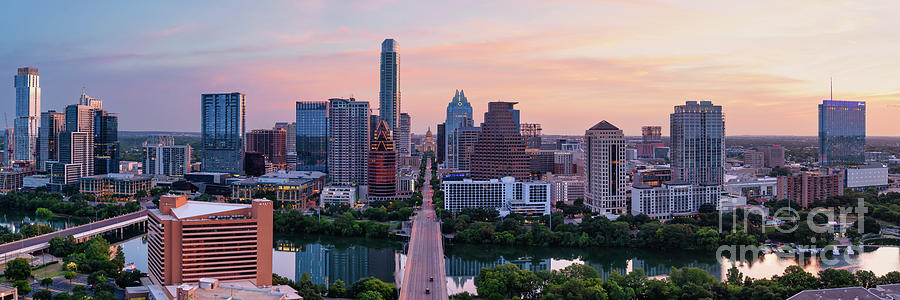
[(13, 180), (312, 135), (606, 171), (106, 142), (651, 177), (842, 133), (506, 195), (293, 189), (271, 143), (52, 123), (754, 159), (808, 187), (222, 129), (402, 136), (186, 241), (500, 150), (348, 141), (672, 199), (772, 155), (390, 91), (566, 188), (28, 114), (382, 164), (290, 138), (651, 137), (76, 158), (93, 103), (698, 143), (337, 195), (532, 134), (441, 144), (459, 115), (113, 185), (864, 177), (169, 160)]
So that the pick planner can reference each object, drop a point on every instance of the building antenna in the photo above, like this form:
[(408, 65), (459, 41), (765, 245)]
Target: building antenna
[(831, 80)]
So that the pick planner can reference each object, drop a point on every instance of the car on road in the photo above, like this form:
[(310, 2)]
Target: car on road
[(427, 291)]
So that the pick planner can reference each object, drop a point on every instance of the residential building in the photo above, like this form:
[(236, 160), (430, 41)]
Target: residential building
[(334, 194), (52, 123), (114, 185), (506, 195), (500, 150), (532, 134), (382, 164), (402, 136), (187, 241), (566, 188), (606, 171), (292, 189), (754, 159), (348, 141), (772, 155), (312, 135), (808, 187), (223, 124), (390, 90), (106, 142), (271, 143), (169, 160), (842, 133), (651, 137), (28, 113), (459, 115), (466, 138), (672, 199), (290, 138), (698, 143), (75, 158)]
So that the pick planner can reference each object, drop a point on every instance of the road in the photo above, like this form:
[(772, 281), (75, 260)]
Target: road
[(425, 258), (9, 247)]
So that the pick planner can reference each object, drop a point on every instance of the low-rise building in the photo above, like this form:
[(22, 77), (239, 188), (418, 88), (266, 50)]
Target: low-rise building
[(12, 180), (866, 176), (565, 187), (338, 194), (35, 181), (294, 189), (672, 199), (191, 240), (764, 188), (212, 289), (115, 185), (808, 187), (754, 159), (651, 177), (506, 195), (8, 292)]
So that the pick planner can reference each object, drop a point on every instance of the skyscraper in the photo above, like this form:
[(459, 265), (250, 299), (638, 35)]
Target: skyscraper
[(94, 103), (402, 136), (312, 135), (698, 143), (651, 137), (106, 142), (269, 142), (52, 123), (466, 138), (842, 133), (222, 129), (390, 92), (459, 114), (76, 149), (500, 150), (382, 164), (79, 118), (28, 113), (348, 141), (606, 170), (290, 141), (441, 142), (169, 160)]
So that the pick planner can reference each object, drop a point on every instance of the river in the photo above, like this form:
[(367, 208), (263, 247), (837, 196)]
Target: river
[(328, 259), (14, 219)]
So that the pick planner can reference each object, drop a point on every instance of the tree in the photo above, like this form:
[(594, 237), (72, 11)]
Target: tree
[(707, 239), (62, 296), (867, 279), (42, 295), (23, 287), (43, 213), (70, 275), (734, 276), (832, 278), (62, 246), (373, 285), (18, 269), (795, 279), (337, 290), (46, 282)]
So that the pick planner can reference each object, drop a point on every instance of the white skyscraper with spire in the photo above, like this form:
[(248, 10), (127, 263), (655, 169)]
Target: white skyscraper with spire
[(28, 113)]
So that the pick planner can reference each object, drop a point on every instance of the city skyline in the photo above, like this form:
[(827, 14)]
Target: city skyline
[(755, 58)]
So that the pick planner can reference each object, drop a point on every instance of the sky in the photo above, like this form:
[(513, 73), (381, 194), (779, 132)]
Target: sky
[(569, 64)]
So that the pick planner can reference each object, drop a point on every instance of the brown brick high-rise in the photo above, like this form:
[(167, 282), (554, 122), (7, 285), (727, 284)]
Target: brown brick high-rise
[(500, 150), (271, 143), (189, 240)]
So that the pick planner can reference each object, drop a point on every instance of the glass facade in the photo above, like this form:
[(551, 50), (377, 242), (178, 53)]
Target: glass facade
[(390, 92), (698, 143), (842, 132), (312, 135), (222, 130), (459, 114), (106, 143)]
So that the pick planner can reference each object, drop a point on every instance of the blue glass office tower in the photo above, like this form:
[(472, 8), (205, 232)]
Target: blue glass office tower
[(222, 129), (842, 133), (312, 135), (390, 93), (459, 114)]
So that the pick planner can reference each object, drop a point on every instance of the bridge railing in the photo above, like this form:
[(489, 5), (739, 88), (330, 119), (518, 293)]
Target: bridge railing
[(76, 229)]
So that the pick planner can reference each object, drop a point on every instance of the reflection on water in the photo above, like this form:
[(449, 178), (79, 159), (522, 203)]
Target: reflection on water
[(135, 250), (328, 260), (14, 220)]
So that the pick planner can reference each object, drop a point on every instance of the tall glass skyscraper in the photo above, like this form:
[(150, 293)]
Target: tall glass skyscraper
[(28, 113), (459, 114), (402, 136), (312, 135), (348, 141), (390, 92), (106, 142), (842, 132), (698, 143), (222, 129)]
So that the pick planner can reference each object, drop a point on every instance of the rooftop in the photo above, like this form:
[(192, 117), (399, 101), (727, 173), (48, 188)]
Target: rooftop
[(856, 293), (604, 125), (237, 290)]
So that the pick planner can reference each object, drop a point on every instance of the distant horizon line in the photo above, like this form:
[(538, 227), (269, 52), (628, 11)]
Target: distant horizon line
[(740, 135)]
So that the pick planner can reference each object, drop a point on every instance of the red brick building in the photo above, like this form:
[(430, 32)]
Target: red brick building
[(809, 187)]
